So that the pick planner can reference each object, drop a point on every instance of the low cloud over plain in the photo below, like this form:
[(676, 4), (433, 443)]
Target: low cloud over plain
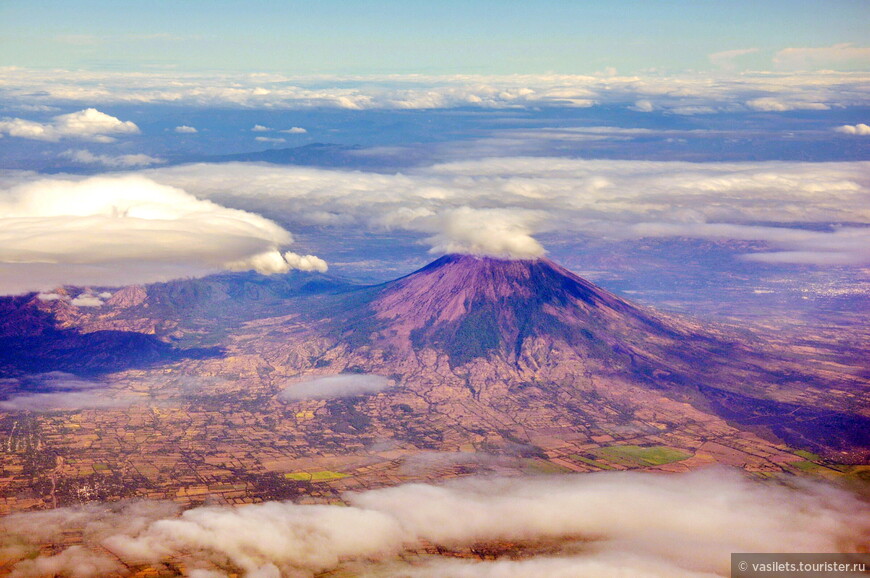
[(611, 523), (59, 391), (342, 385)]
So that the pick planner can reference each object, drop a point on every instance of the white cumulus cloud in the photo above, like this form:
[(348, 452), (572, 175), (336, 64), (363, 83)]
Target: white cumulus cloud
[(501, 233), (86, 300), (643, 106), (89, 124), (305, 262), (859, 129), (185, 129)]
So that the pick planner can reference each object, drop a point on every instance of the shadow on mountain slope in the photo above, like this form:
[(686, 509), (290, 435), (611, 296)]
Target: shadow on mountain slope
[(32, 342)]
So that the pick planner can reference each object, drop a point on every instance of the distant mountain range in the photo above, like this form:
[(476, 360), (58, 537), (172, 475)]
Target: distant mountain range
[(314, 154)]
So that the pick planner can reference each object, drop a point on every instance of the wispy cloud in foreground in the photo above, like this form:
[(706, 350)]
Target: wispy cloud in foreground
[(603, 524)]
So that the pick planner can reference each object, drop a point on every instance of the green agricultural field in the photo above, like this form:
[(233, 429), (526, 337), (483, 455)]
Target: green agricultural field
[(593, 463), (806, 466), (642, 456), (321, 476), (809, 456)]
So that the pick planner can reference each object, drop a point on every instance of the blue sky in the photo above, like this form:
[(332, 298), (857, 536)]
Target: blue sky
[(391, 36)]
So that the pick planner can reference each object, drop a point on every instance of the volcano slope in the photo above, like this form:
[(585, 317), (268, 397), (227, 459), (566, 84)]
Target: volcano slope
[(471, 364), (530, 338)]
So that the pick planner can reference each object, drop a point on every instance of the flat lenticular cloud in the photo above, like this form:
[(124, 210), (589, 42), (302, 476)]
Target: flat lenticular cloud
[(610, 523), (846, 56), (89, 124), (342, 385), (128, 229), (727, 59)]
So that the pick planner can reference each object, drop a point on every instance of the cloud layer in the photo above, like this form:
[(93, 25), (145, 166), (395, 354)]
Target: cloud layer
[(152, 225), (495, 206), (681, 94), (89, 124), (611, 523), (128, 229)]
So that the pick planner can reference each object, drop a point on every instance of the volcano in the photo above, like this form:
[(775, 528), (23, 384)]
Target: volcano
[(496, 327), (471, 308)]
